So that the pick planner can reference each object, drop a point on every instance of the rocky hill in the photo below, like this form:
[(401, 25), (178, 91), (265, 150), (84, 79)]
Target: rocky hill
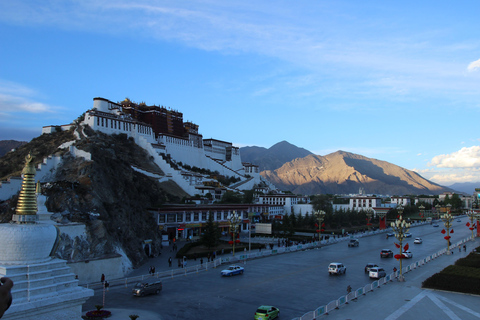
[(273, 157), (7, 145), (106, 193), (344, 173)]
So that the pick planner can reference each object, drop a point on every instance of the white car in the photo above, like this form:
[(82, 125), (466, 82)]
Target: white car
[(336, 268), (232, 270), (377, 273), (407, 254), (418, 240), (408, 235)]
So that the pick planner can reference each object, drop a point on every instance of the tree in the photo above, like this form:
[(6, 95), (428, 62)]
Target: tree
[(231, 197), (211, 235)]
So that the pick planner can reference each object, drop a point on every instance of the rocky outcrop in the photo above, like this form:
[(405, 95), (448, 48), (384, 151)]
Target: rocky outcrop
[(106, 194)]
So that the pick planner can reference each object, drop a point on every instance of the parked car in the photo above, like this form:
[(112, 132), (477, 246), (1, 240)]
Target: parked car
[(336, 268), (143, 288), (407, 254), (386, 253), (418, 240), (232, 270), (353, 243), (266, 312), (408, 235), (458, 220), (377, 273), (435, 225), (369, 266), (390, 234)]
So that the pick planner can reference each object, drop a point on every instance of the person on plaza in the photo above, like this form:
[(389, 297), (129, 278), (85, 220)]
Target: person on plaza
[(465, 247), (349, 289), (150, 270), (201, 262), (153, 270), (5, 294), (170, 261), (102, 278)]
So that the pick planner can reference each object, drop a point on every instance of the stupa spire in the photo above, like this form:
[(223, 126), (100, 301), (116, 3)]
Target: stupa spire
[(26, 211)]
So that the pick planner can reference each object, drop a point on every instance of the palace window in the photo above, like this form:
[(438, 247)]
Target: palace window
[(219, 216), (170, 218), (161, 218), (188, 217), (204, 216), (195, 216), (179, 217)]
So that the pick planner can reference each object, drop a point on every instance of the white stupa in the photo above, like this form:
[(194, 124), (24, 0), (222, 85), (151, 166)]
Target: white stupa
[(44, 286)]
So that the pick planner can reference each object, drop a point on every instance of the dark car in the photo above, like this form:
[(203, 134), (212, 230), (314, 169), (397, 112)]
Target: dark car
[(353, 243), (369, 266), (143, 288), (386, 253)]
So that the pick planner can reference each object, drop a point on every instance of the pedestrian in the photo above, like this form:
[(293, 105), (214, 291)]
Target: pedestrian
[(150, 270), (201, 262), (394, 269), (459, 249), (102, 279), (170, 261), (465, 247), (349, 289), (222, 252), (153, 270)]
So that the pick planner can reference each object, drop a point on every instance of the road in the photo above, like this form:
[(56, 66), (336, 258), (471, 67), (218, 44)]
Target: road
[(295, 282)]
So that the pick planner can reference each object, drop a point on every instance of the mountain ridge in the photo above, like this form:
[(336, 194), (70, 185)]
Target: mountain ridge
[(343, 172)]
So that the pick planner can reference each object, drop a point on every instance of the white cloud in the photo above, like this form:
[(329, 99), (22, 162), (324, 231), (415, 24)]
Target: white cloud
[(16, 98), (464, 158), (473, 66)]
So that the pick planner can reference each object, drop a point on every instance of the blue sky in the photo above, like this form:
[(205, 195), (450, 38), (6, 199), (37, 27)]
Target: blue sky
[(395, 81)]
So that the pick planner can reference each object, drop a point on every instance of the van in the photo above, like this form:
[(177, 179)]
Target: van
[(143, 288), (336, 268)]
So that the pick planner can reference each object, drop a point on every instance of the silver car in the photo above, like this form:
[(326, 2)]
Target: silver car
[(376, 273)]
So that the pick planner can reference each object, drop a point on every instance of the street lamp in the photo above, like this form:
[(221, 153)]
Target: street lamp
[(234, 220), (320, 215), (447, 221), (400, 227), (422, 211), (472, 215), (437, 211), (369, 218)]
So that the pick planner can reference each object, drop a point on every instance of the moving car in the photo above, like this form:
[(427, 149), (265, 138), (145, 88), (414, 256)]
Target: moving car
[(232, 270), (336, 268), (435, 225), (369, 266), (386, 253), (377, 273), (418, 240), (408, 235), (390, 234), (266, 312), (143, 288), (353, 243), (407, 254)]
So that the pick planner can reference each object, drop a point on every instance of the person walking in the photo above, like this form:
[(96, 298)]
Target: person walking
[(102, 278), (170, 261), (201, 262)]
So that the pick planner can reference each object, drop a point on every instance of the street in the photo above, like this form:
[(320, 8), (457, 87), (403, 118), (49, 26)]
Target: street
[(294, 282)]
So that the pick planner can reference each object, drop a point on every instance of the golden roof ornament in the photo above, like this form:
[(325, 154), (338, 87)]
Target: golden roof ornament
[(26, 211)]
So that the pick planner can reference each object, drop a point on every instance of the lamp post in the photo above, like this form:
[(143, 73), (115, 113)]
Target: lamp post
[(447, 221), (369, 218), (437, 211), (320, 215), (400, 227), (422, 211), (234, 220), (471, 215), (250, 217)]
